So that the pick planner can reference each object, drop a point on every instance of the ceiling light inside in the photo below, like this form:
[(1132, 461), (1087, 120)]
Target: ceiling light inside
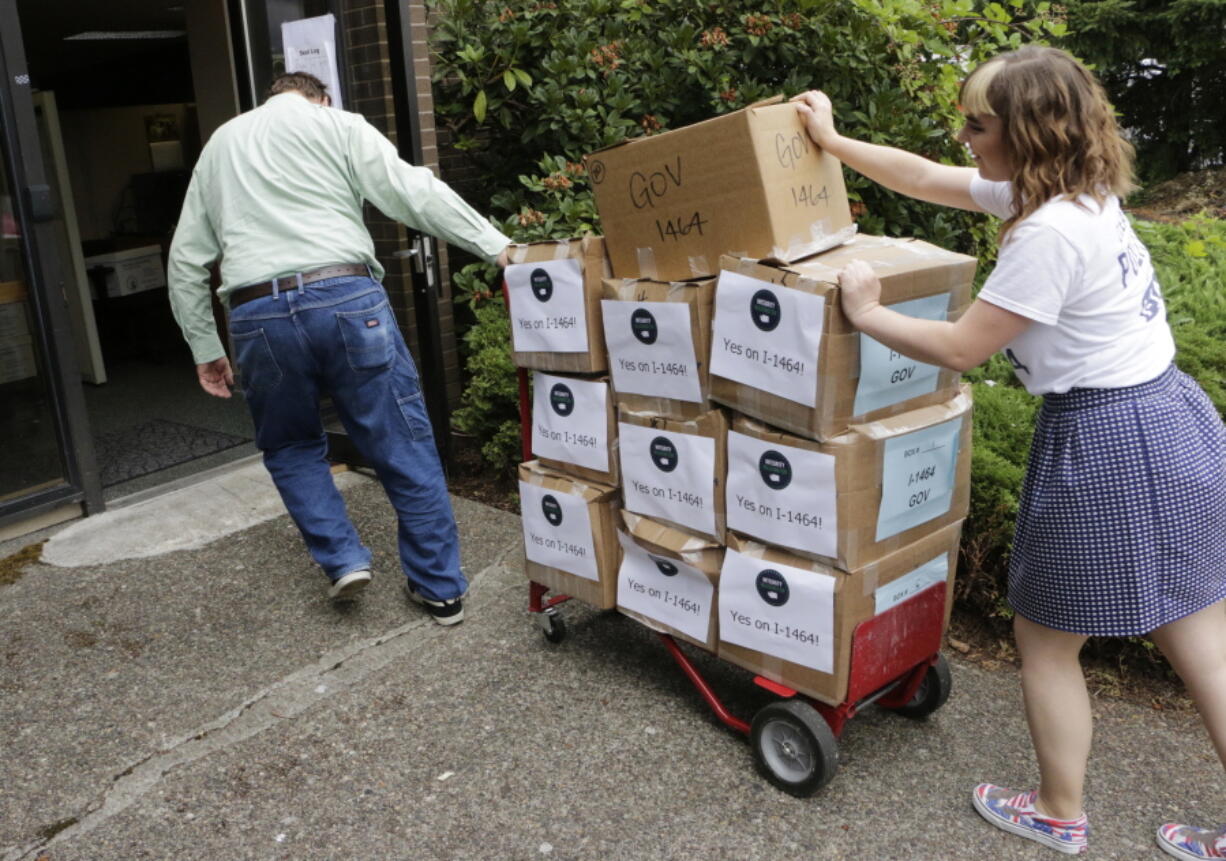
[(112, 35)]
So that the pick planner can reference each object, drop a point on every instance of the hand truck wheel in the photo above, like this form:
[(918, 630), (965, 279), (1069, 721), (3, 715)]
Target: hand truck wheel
[(553, 627), (794, 747), (932, 692)]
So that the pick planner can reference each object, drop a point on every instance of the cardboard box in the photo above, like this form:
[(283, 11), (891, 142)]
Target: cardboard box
[(791, 620), (659, 341), (574, 426), (554, 290), (783, 351), (570, 535), (750, 183), (132, 271), (667, 580), (673, 470), (858, 497)]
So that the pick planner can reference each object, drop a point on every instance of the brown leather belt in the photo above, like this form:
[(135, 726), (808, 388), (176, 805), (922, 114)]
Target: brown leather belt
[(290, 282)]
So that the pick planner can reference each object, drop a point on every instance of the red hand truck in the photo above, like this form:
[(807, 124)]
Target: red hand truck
[(895, 663)]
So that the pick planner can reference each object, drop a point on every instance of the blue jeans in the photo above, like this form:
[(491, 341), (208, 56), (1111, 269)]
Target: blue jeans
[(339, 336)]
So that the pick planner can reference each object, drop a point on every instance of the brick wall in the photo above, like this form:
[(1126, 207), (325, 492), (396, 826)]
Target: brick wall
[(366, 35)]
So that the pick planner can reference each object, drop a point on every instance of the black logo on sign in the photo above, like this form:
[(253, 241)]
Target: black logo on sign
[(667, 568), (561, 399), (643, 325), (764, 310), (595, 170), (664, 454), (775, 469), (772, 587), (551, 509), (542, 284)]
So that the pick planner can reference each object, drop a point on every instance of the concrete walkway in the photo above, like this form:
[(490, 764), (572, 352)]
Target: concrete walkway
[(175, 692)]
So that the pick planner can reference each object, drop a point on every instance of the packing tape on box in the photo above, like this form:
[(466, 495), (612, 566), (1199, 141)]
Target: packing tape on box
[(579, 484), (700, 267), (957, 406), (647, 263), (820, 239), (563, 250)]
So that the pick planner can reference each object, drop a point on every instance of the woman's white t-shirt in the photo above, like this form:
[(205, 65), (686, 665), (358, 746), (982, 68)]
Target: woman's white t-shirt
[(1081, 274)]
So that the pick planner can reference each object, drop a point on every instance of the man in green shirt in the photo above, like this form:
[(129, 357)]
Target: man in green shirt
[(277, 197)]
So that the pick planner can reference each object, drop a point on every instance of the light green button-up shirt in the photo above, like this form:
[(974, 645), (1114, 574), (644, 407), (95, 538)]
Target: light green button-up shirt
[(279, 190)]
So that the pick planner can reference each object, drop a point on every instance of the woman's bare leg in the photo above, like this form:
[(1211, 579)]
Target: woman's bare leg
[(1058, 712)]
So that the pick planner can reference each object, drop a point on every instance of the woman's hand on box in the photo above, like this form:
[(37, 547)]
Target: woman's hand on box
[(818, 115), (860, 290)]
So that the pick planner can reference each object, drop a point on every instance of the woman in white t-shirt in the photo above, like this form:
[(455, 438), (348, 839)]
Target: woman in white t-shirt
[(1122, 522)]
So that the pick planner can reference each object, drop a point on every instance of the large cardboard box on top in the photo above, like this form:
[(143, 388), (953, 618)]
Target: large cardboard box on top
[(554, 292), (782, 350), (659, 340), (750, 182), (570, 534), (858, 497), (791, 620), (667, 580), (673, 470)]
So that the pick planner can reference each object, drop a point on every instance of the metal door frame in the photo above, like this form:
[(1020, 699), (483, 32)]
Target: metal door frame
[(33, 211)]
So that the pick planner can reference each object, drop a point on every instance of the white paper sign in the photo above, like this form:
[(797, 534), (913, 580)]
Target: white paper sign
[(664, 589), (894, 593), (570, 420), (558, 530), (651, 351), (548, 312), (767, 336), (778, 610), (782, 495), (668, 475), (917, 477), (887, 377), (309, 46)]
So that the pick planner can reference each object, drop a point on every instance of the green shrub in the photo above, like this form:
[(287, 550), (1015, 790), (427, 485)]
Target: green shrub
[(489, 407)]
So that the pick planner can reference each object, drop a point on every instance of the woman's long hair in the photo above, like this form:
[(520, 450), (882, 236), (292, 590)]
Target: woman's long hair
[(1059, 129)]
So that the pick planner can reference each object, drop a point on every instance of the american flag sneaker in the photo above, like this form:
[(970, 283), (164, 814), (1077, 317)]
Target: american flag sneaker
[(1014, 812), (1190, 843)]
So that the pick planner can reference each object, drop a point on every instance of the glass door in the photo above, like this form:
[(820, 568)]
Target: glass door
[(46, 459)]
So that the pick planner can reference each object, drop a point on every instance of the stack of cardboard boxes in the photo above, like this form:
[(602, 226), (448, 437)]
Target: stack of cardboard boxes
[(773, 477)]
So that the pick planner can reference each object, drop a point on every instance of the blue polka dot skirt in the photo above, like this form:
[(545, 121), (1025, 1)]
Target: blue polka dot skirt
[(1121, 526)]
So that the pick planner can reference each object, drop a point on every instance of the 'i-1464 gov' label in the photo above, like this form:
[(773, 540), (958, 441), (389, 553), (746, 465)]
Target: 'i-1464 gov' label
[(888, 377), (918, 471)]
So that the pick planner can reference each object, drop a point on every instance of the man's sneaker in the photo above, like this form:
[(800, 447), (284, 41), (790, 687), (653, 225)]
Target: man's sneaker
[(449, 612), (1014, 812), (1190, 843), (347, 587)]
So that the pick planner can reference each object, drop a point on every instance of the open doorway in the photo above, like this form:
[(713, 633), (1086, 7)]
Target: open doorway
[(116, 109)]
